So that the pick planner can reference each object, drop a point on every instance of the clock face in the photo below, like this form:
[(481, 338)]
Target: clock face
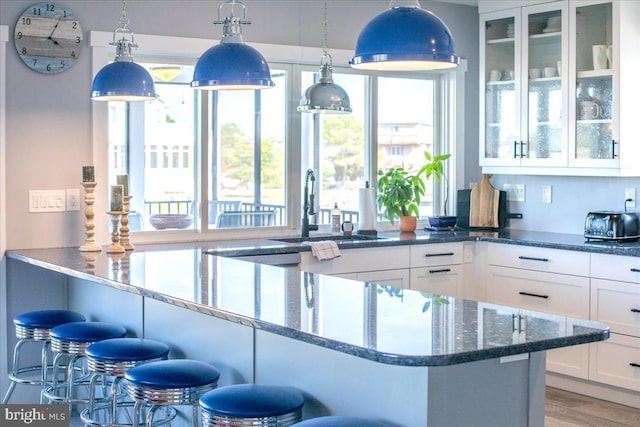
[(48, 38)]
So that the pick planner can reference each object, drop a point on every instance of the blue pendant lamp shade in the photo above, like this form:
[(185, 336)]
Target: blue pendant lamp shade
[(232, 65), (405, 38), (123, 79)]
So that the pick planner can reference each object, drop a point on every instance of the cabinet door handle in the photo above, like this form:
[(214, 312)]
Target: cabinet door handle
[(442, 270), (522, 155), (635, 270), (530, 258), (515, 149), (439, 254), (635, 310), (528, 294), (634, 365), (613, 149)]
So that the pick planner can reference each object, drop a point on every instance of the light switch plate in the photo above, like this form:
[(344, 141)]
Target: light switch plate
[(546, 193), (47, 201)]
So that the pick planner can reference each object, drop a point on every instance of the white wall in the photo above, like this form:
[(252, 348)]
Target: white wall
[(48, 120)]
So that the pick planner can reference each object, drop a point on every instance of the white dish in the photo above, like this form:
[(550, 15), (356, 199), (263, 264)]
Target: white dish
[(551, 30)]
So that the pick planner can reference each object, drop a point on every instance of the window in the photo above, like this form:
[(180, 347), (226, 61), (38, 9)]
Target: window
[(236, 160)]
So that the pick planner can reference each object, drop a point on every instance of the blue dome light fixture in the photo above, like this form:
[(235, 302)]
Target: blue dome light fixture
[(232, 65), (325, 96), (406, 38), (123, 79)]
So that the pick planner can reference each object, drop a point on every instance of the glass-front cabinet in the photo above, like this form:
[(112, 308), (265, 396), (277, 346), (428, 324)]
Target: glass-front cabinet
[(525, 91), (594, 135), (560, 87)]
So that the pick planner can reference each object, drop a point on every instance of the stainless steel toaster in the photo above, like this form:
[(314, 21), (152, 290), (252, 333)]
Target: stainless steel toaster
[(612, 225)]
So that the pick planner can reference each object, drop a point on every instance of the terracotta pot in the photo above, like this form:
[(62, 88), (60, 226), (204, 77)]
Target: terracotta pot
[(408, 223)]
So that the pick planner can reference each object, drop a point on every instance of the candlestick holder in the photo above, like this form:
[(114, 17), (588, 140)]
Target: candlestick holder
[(115, 247), (89, 199), (124, 225)]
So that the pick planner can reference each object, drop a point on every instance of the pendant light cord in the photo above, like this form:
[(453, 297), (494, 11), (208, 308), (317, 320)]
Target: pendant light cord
[(326, 57), (124, 21)]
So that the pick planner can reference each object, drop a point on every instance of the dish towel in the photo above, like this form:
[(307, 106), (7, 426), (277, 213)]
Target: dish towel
[(324, 249)]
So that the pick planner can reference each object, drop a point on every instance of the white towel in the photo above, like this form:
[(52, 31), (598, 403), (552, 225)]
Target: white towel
[(324, 249)]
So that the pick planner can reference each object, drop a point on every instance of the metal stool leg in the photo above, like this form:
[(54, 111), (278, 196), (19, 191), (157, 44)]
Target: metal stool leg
[(17, 371)]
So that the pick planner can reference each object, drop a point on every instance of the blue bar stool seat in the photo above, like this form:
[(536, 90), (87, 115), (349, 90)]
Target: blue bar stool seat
[(252, 405), (35, 327), (113, 358), (169, 382), (341, 421), (71, 341)]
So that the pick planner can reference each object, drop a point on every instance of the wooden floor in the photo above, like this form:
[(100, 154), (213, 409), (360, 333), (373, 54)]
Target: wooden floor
[(565, 409)]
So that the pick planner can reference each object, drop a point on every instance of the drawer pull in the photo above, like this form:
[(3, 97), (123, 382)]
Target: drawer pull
[(634, 365), (441, 254), (528, 294), (635, 310), (442, 270), (530, 258), (635, 270)]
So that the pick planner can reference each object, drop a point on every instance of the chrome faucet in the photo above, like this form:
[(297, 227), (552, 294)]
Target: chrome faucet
[(308, 208)]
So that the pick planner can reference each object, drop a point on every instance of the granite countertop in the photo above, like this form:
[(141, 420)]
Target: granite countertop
[(375, 322), (574, 242)]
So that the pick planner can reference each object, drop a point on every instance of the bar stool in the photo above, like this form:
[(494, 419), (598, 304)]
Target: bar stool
[(252, 405), (34, 327), (340, 421), (169, 382), (71, 340), (112, 358)]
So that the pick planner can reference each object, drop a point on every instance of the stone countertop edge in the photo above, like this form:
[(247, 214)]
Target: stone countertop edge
[(602, 333)]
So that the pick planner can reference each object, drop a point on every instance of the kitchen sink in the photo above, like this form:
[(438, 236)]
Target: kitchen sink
[(341, 238)]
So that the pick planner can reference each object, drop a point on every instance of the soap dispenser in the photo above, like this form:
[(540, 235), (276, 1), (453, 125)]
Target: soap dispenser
[(336, 219)]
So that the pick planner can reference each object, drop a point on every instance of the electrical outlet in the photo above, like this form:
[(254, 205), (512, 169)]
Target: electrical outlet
[(546, 193), (73, 199), (520, 192), (515, 192), (630, 193)]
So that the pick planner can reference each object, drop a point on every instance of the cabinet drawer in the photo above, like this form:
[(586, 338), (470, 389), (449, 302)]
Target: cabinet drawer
[(441, 280), (541, 259), (356, 260), (396, 278), (616, 362), (615, 267), (436, 254), (616, 304), (540, 291)]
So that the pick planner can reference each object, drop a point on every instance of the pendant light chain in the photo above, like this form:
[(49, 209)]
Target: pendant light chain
[(325, 47), (124, 21)]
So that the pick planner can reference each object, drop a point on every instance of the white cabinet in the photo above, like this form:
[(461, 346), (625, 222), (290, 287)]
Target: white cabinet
[(615, 301), (383, 265), (547, 280), (523, 108), (437, 268), (576, 121)]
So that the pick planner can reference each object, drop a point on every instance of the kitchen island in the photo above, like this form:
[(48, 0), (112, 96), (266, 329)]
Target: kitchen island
[(406, 357)]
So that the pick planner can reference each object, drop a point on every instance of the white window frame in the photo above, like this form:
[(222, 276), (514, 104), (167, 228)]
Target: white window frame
[(175, 49)]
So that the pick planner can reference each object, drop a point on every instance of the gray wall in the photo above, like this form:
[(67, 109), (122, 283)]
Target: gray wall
[(48, 117)]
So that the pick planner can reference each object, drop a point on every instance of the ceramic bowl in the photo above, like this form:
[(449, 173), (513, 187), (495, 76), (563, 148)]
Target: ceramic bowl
[(163, 221), (442, 221)]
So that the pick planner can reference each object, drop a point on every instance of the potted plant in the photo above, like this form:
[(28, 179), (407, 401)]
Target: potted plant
[(434, 167), (399, 193)]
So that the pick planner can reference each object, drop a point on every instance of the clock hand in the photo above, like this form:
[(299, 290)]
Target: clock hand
[(52, 32)]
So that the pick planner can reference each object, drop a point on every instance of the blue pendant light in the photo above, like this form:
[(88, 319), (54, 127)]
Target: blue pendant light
[(405, 37), (123, 79), (325, 97), (232, 65)]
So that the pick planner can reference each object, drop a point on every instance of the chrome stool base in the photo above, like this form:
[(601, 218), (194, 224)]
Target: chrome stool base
[(35, 327)]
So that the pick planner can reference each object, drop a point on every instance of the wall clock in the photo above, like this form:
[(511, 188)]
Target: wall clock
[(48, 38)]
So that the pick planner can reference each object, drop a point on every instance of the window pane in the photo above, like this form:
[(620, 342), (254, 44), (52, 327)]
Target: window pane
[(247, 157), (406, 127), (341, 148), (159, 183)]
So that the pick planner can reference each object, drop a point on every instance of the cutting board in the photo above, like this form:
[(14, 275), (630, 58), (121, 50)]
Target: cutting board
[(484, 205)]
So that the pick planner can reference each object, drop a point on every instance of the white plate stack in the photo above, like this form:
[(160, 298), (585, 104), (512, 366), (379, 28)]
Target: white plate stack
[(553, 25), (511, 30)]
